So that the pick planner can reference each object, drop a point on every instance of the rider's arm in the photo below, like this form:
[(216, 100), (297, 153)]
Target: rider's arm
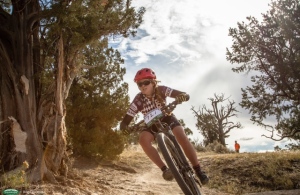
[(176, 93), (134, 108), (173, 93), (125, 122)]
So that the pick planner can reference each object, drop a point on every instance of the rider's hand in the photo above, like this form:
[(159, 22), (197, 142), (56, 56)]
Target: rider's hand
[(183, 97), (125, 129)]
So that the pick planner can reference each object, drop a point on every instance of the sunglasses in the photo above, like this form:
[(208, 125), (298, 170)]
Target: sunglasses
[(146, 82)]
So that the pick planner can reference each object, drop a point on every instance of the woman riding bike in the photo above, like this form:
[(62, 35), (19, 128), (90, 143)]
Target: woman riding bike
[(153, 96)]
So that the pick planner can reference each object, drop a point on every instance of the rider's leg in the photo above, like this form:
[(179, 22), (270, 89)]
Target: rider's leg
[(190, 152), (186, 145), (145, 140)]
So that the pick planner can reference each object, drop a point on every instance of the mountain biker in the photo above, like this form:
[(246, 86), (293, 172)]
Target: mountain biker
[(153, 96)]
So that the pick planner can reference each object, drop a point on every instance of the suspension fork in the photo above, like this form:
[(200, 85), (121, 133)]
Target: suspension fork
[(171, 136), (168, 132)]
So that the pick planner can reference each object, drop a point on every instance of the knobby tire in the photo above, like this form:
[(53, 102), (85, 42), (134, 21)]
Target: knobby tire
[(175, 164), (188, 175)]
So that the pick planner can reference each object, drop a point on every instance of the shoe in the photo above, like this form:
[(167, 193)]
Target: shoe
[(202, 176), (168, 175)]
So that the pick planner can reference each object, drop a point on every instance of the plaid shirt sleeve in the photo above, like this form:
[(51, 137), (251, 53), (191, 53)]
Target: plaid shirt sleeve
[(135, 106), (169, 92)]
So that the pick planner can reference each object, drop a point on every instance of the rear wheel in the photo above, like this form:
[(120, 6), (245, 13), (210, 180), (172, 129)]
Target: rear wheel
[(181, 172)]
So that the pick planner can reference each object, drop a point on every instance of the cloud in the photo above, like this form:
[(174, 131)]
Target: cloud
[(185, 43), (247, 138), (190, 28)]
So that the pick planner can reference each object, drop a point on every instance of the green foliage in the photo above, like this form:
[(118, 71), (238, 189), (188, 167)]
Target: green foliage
[(97, 101), (81, 24), (16, 178), (293, 147), (270, 50), (97, 143), (187, 130), (290, 147), (50, 43)]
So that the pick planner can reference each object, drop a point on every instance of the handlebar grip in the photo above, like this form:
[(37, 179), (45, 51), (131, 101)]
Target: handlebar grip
[(187, 97)]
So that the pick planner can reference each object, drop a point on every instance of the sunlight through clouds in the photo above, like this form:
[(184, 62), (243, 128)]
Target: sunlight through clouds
[(185, 42)]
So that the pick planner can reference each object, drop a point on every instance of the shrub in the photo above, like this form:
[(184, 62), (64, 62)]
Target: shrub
[(15, 178), (198, 145), (100, 144), (217, 147)]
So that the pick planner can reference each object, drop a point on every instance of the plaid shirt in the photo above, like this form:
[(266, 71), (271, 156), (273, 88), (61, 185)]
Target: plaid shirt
[(143, 104)]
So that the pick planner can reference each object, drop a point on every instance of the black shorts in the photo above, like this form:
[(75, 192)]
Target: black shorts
[(171, 121)]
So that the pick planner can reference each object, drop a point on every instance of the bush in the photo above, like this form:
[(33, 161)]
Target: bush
[(217, 147), (15, 178), (100, 144), (198, 145), (212, 147)]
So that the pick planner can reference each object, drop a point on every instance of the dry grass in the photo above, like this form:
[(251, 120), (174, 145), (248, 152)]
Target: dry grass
[(230, 174), (252, 172), (238, 173), (134, 157)]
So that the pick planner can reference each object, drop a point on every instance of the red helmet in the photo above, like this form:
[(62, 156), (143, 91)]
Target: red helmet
[(145, 73)]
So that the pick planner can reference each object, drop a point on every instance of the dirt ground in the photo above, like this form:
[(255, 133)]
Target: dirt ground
[(132, 174)]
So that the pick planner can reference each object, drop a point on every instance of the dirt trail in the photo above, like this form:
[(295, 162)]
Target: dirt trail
[(132, 174)]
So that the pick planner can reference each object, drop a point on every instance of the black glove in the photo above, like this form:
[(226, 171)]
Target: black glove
[(183, 97), (124, 128)]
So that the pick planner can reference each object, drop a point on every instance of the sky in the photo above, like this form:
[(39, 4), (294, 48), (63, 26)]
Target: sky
[(185, 43)]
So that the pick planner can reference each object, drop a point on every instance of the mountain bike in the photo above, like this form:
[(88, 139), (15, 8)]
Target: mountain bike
[(170, 149)]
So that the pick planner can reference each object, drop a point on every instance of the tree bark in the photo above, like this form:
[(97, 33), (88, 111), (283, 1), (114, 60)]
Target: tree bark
[(25, 49), (41, 117), (221, 135)]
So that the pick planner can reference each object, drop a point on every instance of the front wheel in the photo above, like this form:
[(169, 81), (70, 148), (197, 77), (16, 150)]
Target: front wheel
[(181, 171)]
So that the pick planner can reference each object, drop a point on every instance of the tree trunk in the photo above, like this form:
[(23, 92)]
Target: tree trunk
[(39, 118), (221, 135)]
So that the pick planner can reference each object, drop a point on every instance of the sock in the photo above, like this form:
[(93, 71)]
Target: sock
[(163, 168), (197, 167)]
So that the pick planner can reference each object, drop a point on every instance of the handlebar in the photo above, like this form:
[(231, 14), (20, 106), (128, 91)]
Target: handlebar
[(166, 110)]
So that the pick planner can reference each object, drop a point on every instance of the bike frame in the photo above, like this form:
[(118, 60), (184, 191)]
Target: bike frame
[(185, 169), (168, 132)]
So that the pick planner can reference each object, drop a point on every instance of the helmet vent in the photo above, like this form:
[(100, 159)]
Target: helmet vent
[(145, 73)]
